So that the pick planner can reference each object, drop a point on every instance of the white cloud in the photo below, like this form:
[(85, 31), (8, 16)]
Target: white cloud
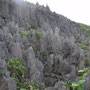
[(76, 10)]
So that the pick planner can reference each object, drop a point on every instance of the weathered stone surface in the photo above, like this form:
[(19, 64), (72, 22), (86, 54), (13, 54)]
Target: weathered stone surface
[(35, 67), (3, 50), (49, 45), (61, 85), (51, 88), (16, 50)]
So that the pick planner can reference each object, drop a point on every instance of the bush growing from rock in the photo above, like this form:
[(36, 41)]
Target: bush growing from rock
[(22, 33), (17, 69), (78, 84)]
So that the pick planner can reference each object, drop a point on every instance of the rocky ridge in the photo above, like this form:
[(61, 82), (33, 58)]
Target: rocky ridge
[(52, 47)]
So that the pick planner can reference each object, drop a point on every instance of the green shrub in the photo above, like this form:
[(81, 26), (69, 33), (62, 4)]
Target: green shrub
[(35, 49), (82, 46), (17, 69), (78, 84), (38, 34), (57, 53), (13, 32), (43, 54), (31, 30), (85, 28), (14, 41), (88, 34), (22, 33), (33, 26), (29, 36), (87, 62), (21, 25)]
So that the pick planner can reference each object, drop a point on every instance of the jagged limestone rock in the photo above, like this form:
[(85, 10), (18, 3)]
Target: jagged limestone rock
[(35, 67), (50, 49)]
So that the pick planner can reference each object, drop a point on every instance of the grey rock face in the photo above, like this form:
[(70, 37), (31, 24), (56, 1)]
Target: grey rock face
[(25, 13), (47, 43), (61, 85), (3, 50), (16, 50), (35, 67), (51, 88)]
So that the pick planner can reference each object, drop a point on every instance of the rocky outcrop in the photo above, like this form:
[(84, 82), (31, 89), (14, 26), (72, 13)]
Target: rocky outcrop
[(25, 13), (49, 45)]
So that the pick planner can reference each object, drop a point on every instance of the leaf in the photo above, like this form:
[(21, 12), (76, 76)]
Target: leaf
[(85, 69), (78, 83), (75, 84), (85, 74), (22, 89), (80, 78), (80, 87), (81, 71), (68, 83)]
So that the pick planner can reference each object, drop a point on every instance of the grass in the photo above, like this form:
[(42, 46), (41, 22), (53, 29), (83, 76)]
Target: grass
[(84, 47), (85, 28)]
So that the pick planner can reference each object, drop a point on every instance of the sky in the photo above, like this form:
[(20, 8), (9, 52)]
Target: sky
[(76, 10)]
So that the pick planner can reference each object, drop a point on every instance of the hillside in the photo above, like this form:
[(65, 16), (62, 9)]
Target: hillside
[(40, 48)]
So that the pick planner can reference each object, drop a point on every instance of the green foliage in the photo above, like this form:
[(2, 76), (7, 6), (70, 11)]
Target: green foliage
[(78, 84), (87, 43), (22, 33), (88, 34), (14, 41), (57, 53), (87, 62), (82, 46), (43, 54), (85, 28), (17, 69), (84, 73), (13, 32), (29, 36), (33, 26), (31, 30), (21, 25), (38, 34), (31, 86), (35, 50)]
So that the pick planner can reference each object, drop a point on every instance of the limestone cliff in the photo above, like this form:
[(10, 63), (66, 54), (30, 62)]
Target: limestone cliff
[(52, 47)]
